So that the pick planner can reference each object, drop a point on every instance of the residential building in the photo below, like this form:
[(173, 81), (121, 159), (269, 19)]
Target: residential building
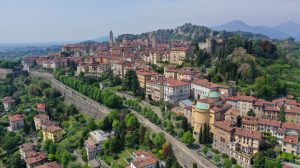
[(93, 144), (99, 68), (144, 76), (143, 159), (41, 121), (170, 71), (26, 149), (178, 55), (37, 159), (16, 122), (239, 143), (53, 132), (242, 103), (291, 144), (7, 102), (175, 90), (50, 165), (41, 108), (155, 90), (201, 88), (118, 69), (232, 115)]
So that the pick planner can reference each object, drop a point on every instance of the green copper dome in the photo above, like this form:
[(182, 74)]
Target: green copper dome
[(202, 106), (213, 94)]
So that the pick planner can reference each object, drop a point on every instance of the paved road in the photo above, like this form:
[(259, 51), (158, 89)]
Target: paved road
[(183, 154)]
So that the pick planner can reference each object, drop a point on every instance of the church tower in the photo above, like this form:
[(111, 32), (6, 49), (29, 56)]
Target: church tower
[(111, 38)]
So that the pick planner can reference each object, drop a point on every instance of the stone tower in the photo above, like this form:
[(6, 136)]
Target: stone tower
[(111, 38), (153, 40), (211, 43)]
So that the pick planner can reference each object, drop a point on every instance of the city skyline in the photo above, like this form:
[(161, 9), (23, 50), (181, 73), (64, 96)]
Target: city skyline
[(47, 21)]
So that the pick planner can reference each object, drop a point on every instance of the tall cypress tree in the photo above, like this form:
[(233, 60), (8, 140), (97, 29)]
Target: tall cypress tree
[(201, 135)]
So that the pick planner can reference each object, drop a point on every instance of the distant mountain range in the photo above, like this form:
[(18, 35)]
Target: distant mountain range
[(283, 30), (13, 46)]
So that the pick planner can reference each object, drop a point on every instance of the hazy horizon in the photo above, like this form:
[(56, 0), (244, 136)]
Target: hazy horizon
[(35, 21)]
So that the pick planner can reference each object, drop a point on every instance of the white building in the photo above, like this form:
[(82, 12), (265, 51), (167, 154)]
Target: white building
[(93, 144), (201, 88), (175, 90), (7, 103), (16, 122)]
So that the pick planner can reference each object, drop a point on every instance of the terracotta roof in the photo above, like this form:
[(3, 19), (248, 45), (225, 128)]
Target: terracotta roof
[(271, 109), (42, 116), (291, 126), (179, 49), (241, 98), (232, 111), (251, 122), (146, 73), (287, 101), (41, 106), (39, 157), (53, 128), (49, 165), (224, 125), (143, 159), (293, 110), (248, 133), (293, 139), (17, 117), (205, 83), (273, 123), (26, 146), (175, 83), (8, 99), (221, 108)]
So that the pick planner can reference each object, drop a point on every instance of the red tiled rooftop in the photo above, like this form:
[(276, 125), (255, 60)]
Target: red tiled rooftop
[(248, 133), (224, 125), (293, 139), (179, 49), (49, 165), (16, 117), (232, 111), (242, 98), (39, 157), (271, 109), (291, 126), (42, 116), (26, 146), (273, 123), (205, 83), (144, 159), (293, 110), (174, 83), (53, 128), (41, 106)]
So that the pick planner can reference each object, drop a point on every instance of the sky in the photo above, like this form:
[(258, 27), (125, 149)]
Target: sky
[(24, 21)]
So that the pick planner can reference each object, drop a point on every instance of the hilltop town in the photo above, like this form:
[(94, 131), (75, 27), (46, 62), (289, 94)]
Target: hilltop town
[(186, 97)]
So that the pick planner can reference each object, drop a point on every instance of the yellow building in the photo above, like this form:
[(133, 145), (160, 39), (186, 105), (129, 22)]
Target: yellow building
[(144, 76), (207, 110), (178, 55), (53, 133), (292, 115)]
